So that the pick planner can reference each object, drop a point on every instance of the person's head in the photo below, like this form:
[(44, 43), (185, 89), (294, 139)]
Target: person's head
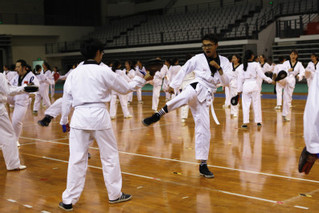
[(175, 61), (168, 62), (139, 63), (74, 66), (293, 55), (262, 58), (116, 65), (46, 66), (248, 56), (128, 65), (281, 59), (21, 67), (55, 69), (5, 67), (209, 45), (314, 57), (92, 49), (37, 69), (13, 67), (236, 59)]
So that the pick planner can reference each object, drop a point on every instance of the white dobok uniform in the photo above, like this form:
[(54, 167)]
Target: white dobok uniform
[(199, 97), (291, 83), (87, 89), (20, 102), (131, 75), (165, 72), (45, 79), (247, 84), (280, 85), (122, 98), (139, 90), (8, 137), (310, 72), (10, 75), (233, 89), (311, 116), (265, 68), (187, 80)]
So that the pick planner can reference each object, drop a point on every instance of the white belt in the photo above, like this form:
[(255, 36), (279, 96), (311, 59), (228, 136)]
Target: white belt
[(87, 105)]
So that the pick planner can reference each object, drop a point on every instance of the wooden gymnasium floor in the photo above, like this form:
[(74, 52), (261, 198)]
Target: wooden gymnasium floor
[(255, 170)]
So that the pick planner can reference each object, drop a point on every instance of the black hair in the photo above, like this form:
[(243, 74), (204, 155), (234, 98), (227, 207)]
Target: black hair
[(237, 56), (130, 64), (6, 66), (22, 62), (294, 51), (89, 48), (47, 65), (247, 56), (116, 65), (281, 59), (174, 60), (37, 67), (314, 54), (265, 59), (168, 60), (210, 37), (28, 67), (12, 67)]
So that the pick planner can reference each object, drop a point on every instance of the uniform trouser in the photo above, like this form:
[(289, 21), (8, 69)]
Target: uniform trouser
[(123, 102), (17, 118), (156, 95), (167, 96), (8, 142), (200, 112), (233, 109), (259, 83), (253, 97), (288, 90), (227, 96), (52, 88), (78, 163), (139, 94), (279, 89), (184, 112), (130, 97), (44, 95), (55, 109)]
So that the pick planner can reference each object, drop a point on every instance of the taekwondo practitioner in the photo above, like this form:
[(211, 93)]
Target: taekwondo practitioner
[(21, 101), (8, 137), (294, 68), (247, 85), (311, 69), (311, 127), (210, 69), (87, 89), (46, 79), (280, 85), (236, 62)]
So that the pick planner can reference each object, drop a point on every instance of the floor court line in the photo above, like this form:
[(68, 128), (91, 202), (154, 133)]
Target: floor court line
[(176, 183), (189, 162)]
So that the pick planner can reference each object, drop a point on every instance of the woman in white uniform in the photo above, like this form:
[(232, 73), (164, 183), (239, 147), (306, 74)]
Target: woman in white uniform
[(247, 85), (236, 62)]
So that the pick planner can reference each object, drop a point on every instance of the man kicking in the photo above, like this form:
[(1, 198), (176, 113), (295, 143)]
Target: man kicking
[(210, 69)]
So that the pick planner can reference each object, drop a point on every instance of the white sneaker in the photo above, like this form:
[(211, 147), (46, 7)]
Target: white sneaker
[(21, 167), (112, 118), (129, 116), (285, 118), (183, 120), (18, 144), (277, 107)]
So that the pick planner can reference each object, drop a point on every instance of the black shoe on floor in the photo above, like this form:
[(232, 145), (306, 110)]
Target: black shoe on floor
[(89, 156), (204, 171), (123, 198), (45, 121), (244, 126), (306, 161), (154, 118), (259, 124), (66, 207)]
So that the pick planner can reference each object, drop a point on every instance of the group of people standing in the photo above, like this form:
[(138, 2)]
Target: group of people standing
[(92, 84)]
